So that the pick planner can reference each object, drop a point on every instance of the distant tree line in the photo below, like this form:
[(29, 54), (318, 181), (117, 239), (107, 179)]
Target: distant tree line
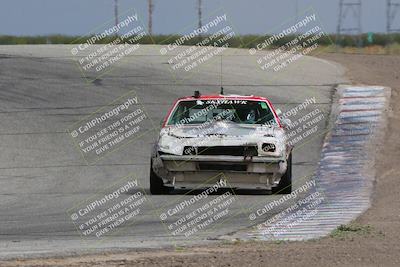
[(243, 41)]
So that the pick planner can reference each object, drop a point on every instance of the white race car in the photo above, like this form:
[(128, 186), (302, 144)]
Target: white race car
[(207, 138)]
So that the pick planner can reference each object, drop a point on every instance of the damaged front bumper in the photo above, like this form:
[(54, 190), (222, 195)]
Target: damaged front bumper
[(194, 171)]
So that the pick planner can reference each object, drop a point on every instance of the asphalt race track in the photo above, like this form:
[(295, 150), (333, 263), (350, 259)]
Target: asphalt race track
[(42, 174)]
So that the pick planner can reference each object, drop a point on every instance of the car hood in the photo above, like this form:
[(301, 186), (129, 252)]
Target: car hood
[(223, 128), (173, 140)]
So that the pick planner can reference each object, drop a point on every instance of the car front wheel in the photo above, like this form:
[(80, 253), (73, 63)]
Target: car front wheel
[(285, 184), (156, 184)]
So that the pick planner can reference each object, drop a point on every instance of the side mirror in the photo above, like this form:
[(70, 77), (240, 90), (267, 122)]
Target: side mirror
[(286, 123), (278, 112)]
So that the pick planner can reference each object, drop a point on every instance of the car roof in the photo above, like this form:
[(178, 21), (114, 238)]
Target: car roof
[(211, 97)]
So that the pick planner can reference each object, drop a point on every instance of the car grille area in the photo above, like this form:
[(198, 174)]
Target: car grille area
[(247, 151), (222, 167)]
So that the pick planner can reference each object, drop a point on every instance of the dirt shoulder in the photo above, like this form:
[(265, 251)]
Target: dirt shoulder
[(373, 242)]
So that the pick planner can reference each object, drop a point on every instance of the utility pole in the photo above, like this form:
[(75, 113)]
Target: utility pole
[(116, 12), (297, 10), (151, 7), (346, 9), (199, 6)]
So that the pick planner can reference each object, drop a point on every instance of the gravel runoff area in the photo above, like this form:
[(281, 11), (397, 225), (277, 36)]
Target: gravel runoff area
[(373, 241)]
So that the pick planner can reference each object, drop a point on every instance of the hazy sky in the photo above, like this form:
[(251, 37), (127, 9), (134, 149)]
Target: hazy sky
[(74, 17)]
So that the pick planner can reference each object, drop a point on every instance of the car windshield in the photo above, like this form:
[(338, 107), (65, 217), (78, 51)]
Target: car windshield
[(233, 110)]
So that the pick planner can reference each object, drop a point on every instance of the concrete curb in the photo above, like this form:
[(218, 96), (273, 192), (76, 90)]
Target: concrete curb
[(346, 174)]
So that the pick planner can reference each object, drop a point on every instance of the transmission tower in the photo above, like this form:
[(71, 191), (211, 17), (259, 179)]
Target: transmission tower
[(151, 8), (199, 7), (349, 9), (391, 12)]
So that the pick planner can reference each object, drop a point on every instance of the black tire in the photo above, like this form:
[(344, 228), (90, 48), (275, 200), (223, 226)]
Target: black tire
[(156, 184), (285, 184)]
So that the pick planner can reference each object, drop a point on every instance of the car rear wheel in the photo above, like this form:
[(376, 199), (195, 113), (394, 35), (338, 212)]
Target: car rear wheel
[(285, 184), (156, 184)]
